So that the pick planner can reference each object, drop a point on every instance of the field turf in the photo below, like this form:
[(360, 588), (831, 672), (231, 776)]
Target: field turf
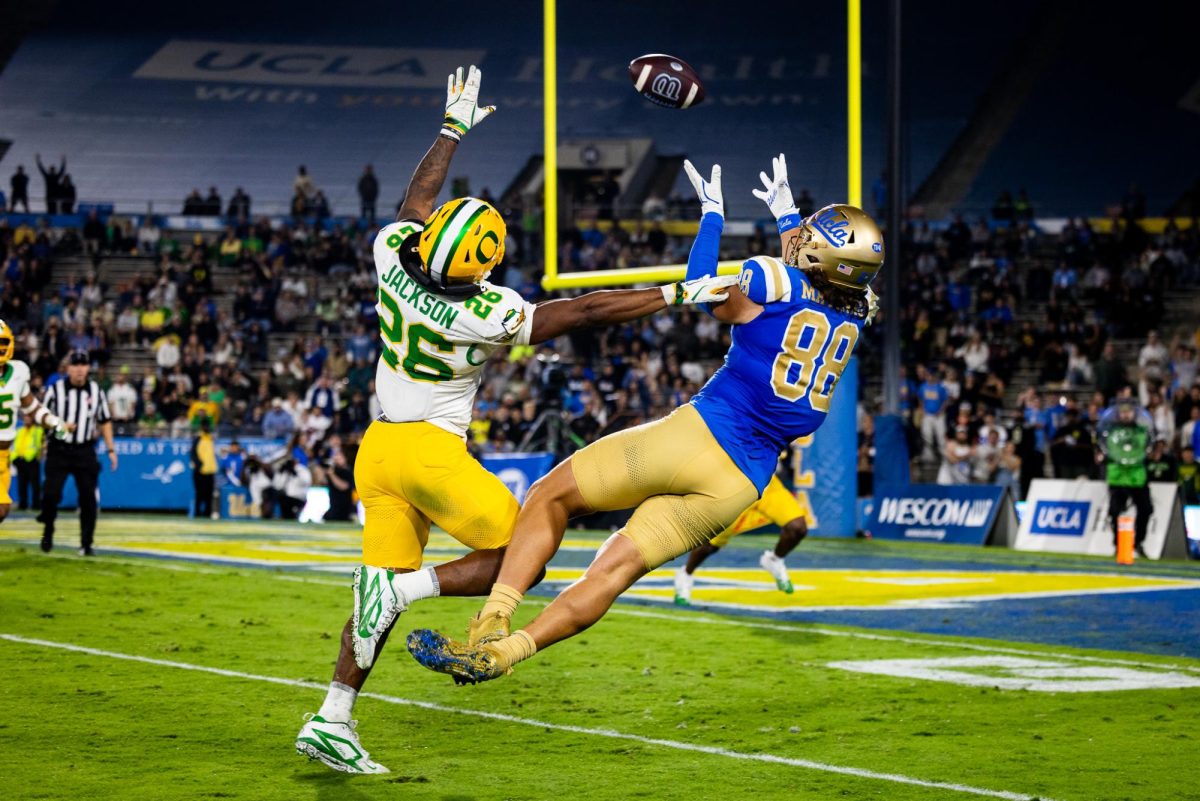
[(130, 678)]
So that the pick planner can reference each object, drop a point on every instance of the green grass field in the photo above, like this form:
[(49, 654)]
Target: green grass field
[(199, 676)]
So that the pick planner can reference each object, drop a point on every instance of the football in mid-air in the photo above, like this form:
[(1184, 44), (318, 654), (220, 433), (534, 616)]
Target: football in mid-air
[(666, 80)]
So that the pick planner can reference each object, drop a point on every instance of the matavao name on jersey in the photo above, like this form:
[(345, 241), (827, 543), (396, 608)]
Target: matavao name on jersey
[(412, 293)]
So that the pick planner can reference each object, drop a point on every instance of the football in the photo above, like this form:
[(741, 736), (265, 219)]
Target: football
[(666, 80)]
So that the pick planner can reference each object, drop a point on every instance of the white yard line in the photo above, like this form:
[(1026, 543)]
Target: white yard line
[(695, 616), (677, 745), (863, 635)]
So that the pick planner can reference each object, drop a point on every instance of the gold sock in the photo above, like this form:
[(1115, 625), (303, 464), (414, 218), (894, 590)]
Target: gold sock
[(515, 648), (503, 601)]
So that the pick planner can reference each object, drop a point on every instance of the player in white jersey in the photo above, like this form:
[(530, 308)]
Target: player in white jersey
[(440, 320), (16, 400)]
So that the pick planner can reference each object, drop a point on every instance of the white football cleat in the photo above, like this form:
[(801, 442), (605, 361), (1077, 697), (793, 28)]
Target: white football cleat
[(336, 745), (778, 570), (683, 587), (376, 607)]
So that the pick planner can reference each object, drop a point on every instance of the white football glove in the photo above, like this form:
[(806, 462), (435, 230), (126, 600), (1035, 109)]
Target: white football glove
[(872, 306), (708, 191), (709, 289), (462, 104), (777, 193)]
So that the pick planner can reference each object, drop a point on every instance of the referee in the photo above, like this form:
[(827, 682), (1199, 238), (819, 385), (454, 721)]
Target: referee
[(79, 401)]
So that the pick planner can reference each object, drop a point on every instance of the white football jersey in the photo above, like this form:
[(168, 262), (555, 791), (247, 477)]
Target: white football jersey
[(434, 348), (14, 383)]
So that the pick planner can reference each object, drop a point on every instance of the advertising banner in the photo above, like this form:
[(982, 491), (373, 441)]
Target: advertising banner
[(1073, 517), (963, 514)]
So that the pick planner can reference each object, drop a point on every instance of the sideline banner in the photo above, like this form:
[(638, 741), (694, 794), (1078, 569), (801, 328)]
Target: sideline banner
[(966, 514), (1072, 517), (156, 474), (518, 471)]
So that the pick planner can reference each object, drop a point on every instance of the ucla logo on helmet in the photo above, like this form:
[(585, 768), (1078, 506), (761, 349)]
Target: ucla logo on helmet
[(834, 227), (876, 247)]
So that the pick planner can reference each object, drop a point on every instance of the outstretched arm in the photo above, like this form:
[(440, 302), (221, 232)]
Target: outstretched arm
[(42, 416), (614, 306), (462, 113), (427, 181)]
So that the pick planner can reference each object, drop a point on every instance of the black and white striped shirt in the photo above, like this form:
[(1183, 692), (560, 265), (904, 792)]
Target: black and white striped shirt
[(85, 406)]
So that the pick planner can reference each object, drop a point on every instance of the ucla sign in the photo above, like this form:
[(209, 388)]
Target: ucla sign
[(396, 68)]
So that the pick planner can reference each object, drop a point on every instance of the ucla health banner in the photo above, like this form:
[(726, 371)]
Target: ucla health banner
[(518, 471), (963, 514), (825, 464)]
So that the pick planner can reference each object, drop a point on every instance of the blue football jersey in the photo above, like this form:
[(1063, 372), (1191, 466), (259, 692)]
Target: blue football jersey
[(781, 370)]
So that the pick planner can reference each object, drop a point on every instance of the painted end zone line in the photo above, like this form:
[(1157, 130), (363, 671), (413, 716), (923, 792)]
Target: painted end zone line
[(616, 735)]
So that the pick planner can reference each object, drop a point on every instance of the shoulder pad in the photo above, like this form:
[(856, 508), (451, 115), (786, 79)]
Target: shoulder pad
[(765, 279)]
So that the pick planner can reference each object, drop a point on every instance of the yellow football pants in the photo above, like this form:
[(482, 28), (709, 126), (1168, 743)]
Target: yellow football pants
[(411, 474), (777, 505), (5, 477), (685, 487)]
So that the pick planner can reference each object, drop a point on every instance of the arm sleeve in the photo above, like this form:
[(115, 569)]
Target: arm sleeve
[(702, 260), (102, 413)]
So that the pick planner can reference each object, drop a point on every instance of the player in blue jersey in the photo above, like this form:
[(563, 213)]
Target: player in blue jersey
[(691, 474)]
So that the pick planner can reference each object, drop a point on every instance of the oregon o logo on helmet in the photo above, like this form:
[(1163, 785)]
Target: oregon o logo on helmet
[(480, 254)]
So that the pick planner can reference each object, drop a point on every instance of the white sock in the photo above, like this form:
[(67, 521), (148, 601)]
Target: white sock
[(339, 703), (417, 585)]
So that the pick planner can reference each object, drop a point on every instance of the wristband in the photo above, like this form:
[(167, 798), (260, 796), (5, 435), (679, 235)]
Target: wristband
[(788, 221), (452, 129)]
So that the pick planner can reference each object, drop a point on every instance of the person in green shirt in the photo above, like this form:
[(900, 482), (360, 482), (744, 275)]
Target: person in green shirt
[(1124, 436), (1189, 476)]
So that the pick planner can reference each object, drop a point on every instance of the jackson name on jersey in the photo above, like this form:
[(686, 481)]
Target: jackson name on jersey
[(14, 383), (434, 349)]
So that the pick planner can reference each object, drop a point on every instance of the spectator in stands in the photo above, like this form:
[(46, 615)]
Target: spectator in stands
[(1189, 476), (975, 354), (149, 235), (1188, 431), (239, 206), (957, 456), (122, 398), (1022, 208), (303, 184), (1008, 470), (1110, 373), (277, 422), (368, 194), (323, 397), (985, 459), (95, 234), (934, 399), (1072, 446), (19, 183), (193, 204), (319, 207), (1184, 367), (53, 179), (1160, 464), (212, 203), (66, 197)]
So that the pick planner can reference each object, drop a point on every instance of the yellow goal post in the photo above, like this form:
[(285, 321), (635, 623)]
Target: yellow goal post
[(665, 273)]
